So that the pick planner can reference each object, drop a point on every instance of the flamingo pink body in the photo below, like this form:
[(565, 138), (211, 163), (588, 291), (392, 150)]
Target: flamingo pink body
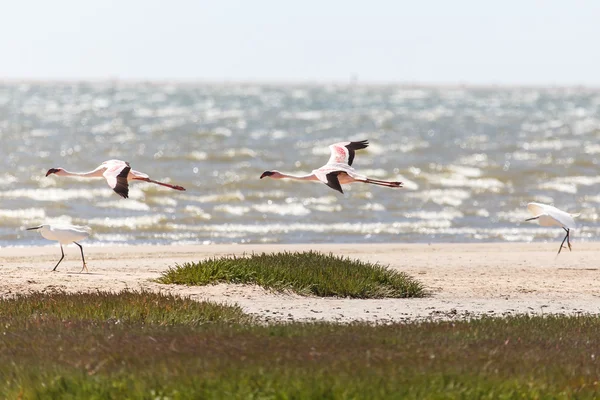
[(117, 174), (338, 170)]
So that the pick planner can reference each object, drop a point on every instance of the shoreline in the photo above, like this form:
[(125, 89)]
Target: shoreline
[(465, 280)]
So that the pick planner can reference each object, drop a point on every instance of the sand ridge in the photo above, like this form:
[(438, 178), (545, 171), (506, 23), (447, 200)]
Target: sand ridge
[(464, 280)]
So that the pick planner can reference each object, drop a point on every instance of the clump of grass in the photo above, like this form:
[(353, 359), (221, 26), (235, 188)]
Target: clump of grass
[(308, 273), (124, 307)]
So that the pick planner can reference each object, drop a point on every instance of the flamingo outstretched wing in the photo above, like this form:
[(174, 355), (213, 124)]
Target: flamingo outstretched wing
[(343, 152), (116, 177)]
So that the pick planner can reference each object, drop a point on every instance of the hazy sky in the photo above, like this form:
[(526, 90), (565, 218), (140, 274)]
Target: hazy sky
[(446, 41)]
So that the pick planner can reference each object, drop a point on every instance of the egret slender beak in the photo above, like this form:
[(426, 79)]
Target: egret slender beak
[(35, 227), (531, 219)]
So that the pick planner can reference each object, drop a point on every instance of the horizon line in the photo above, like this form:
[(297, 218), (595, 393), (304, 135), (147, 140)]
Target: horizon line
[(304, 82)]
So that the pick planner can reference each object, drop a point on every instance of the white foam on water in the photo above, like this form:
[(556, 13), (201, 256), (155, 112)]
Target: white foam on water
[(23, 213), (282, 209), (326, 207), (372, 207), (408, 147), (42, 133), (302, 115), (56, 195), (326, 200), (113, 237), (226, 197), (451, 197), (555, 144), (524, 156), (343, 227), (409, 94), (162, 201), (123, 138), (238, 153), (268, 194), (578, 180), (233, 210), (469, 172), (106, 127), (517, 216), (559, 187), (593, 199), (585, 126), (197, 156), (479, 160), (457, 180), (7, 179), (432, 114), (130, 204), (133, 223), (197, 212), (445, 214), (592, 148)]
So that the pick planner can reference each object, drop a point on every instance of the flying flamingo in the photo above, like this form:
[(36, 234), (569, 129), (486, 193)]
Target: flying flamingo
[(338, 169), (117, 174), (64, 234), (551, 216)]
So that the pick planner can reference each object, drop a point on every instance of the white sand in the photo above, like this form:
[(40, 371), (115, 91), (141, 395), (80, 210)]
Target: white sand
[(463, 279)]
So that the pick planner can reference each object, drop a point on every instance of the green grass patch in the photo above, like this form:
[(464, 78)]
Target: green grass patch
[(75, 353), (127, 307), (307, 273)]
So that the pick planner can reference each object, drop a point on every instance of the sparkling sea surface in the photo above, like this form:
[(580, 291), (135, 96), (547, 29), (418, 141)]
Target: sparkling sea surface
[(470, 159)]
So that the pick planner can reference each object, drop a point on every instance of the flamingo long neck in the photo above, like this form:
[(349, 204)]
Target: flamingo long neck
[(307, 177), (90, 174)]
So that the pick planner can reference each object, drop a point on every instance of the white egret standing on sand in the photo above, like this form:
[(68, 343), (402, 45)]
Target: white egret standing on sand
[(117, 174), (551, 216), (338, 169), (64, 234)]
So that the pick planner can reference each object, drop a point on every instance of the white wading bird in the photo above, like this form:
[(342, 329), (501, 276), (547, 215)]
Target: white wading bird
[(117, 174), (552, 216), (338, 170), (64, 234)]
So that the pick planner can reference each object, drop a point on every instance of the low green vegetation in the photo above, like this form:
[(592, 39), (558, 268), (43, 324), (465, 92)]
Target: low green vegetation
[(121, 346), (127, 307), (308, 273)]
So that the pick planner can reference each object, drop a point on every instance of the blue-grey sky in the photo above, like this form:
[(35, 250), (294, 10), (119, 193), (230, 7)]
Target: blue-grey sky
[(430, 42)]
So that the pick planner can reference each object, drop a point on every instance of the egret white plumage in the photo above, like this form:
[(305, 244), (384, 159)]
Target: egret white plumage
[(548, 215), (338, 169), (117, 174), (64, 234)]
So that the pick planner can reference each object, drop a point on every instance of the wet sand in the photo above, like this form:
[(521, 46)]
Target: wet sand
[(463, 280)]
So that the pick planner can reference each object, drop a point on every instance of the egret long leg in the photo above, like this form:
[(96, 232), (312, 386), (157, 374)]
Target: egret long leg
[(61, 258), (563, 242), (568, 238), (83, 258)]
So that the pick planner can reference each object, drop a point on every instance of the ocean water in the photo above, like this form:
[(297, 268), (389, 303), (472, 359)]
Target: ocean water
[(470, 159)]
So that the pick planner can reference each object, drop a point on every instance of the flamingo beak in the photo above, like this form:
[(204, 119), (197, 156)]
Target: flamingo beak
[(266, 173), (52, 171)]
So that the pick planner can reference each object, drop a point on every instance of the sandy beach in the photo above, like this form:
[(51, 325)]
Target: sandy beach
[(463, 280)]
